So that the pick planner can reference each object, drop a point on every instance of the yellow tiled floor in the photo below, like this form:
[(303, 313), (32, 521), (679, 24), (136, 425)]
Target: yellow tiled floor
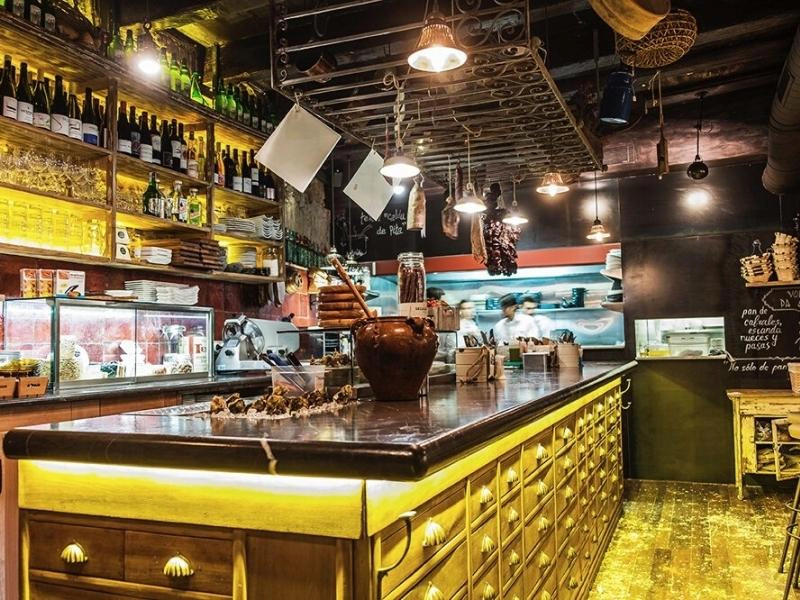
[(682, 541)]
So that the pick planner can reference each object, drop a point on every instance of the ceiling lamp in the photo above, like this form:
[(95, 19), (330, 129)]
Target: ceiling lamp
[(698, 169), (399, 166), (147, 58), (514, 216), (552, 184), (597, 233), (618, 97), (469, 202), (436, 49)]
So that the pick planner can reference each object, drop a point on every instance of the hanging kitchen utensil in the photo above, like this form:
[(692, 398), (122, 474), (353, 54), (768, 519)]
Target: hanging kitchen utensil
[(450, 216), (415, 218)]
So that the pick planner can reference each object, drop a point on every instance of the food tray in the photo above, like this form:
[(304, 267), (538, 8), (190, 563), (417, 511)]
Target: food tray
[(30, 387)]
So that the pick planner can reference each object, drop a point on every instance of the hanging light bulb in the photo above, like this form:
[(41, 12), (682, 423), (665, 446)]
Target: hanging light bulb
[(598, 232), (147, 58), (399, 166), (469, 202), (436, 49), (514, 216), (698, 169), (397, 186), (552, 184)]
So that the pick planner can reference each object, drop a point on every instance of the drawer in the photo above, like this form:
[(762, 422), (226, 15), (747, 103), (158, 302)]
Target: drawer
[(93, 552), (436, 523), (582, 449), (48, 591), (586, 558), (210, 561), (537, 489), (487, 586), (566, 463), (483, 545), (599, 409), (515, 592), (540, 572), (564, 435), (510, 473), (566, 494), (511, 561), (539, 526), (580, 424), (612, 439), (600, 430), (570, 587), (445, 580), (536, 452), (482, 493), (566, 525), (510, 516), (568, 557)]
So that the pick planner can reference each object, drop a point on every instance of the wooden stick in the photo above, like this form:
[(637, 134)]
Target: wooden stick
[(346, 278)]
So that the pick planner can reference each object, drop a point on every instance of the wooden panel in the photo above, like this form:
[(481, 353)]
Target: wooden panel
[(211, 559), (20, 417), (449, 577), (112, 406), (537, 452), (447, 511), (570, 585), (539, 526), (85, 409), (487, 585), (482, 493), (483, 545), (510, 473), (104, 549), (566, 494), (511, 561), (291, 567), (568, 556), (510, 516), (565, 463), (47, 591)]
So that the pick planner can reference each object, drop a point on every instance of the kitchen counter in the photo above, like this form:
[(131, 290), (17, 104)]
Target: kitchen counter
[(392, 440)]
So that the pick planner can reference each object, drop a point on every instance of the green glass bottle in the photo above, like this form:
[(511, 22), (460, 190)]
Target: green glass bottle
[(220, 99), (151, 196), (164, 62), (195, 92), (174, 75), (186, 79), (237, 98), (230, 103), (130, 45)]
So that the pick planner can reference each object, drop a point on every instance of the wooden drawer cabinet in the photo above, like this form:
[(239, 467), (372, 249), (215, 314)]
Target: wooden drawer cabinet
[(510, 516), (48, 591), (542, 560), (437, 522), (449, 577), (510, 473), (483, 545), (487, 585), (482, 493), (511, 561), (564, 435), (566, 494), (536, 452), (567, 557), (539, 526), (208, 560), (94, 552)]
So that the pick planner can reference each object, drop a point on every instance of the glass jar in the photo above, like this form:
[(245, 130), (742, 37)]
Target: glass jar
[(410, 277)]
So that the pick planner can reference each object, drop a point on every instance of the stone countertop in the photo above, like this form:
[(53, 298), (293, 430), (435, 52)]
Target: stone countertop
[(374, 440)]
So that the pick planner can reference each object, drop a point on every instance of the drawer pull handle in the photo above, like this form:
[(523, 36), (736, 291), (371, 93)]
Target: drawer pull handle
[(541, 453), (514, 559), (434, 535), (178, 567), (571, 553), (585, 528), (513, 516), (569, 523), (581, 449), (580, 424), (515, 597), (544, 560), (615, 478), (486, 496), (573, 583), (601, 452), (487, 545), (614, 497), (583, 475), (584, 501), (541, 488), (587, 555), (612, 439), (546, 595), (613, 458), (566, 434), (568, 493), (592, 464), (590, 440), (600, 430), (544, 524), (568, 464), (433, 593), (512, 476), (603, 496), (74, 554), (592, 489), (603, 474), (604, 518), (489, 593)]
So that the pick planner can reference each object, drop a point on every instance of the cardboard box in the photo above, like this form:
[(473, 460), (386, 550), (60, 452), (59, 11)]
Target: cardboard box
[(45, 283), (70, 281)]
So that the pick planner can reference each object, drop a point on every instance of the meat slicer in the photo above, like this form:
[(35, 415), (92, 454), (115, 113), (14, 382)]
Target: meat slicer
[(245, 341)]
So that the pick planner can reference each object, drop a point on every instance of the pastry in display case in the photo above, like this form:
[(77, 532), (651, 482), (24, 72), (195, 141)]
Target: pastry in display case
[(83, 343)]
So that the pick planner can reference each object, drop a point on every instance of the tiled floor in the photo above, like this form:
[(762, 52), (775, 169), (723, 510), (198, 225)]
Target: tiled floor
[(680, 541)]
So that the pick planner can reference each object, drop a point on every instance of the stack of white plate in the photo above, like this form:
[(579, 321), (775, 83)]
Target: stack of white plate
[(143, 289), (155, 255), (239, 226), (246, 255), (173, 293)]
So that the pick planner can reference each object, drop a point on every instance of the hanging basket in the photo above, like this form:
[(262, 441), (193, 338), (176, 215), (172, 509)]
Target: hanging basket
[(666, 43), (631, 18)]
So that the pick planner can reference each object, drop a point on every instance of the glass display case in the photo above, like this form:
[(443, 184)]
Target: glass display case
[(699, 337), (86, 343), (331, 348)]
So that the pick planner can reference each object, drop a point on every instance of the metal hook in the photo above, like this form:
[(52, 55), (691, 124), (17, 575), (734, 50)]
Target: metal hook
[(384, 571), (472, 133), (623, 392)]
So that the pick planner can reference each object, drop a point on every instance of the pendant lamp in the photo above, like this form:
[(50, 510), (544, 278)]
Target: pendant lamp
[(399, 166), (469, 202), (618, 96), (147, 58), (552, 182), (436, 50), (698, 169), (514, 216), (598, 232)]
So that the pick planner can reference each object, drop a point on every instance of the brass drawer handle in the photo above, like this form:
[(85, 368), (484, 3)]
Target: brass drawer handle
[(590, 439), (568, 463), (604, 518), (580, 424), (614, 477), (569, 524), (514, 559), (512, 476), (546, 595), (585, 528), (598, 408), (544, 524), (513, 516), (603, 474), (486, 495), (489, 593), (487, 545), (589, 417), (74, 554), (584, 501), (603, 496), (600, 430), (573, 583), (592, 464), (566, 434), (614, 497), (571, 553), (433, 593), (601, 452), (544, 560), (583, 475), (435, 535), (587, 555), (178, 567), (541, 488), (613, 458), (612, 439), (581, 449), (568, 493), (541, 453)]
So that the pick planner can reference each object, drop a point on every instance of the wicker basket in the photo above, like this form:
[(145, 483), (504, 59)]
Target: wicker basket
[(631, 18), (794, 376), (757, 268), (664, 44)]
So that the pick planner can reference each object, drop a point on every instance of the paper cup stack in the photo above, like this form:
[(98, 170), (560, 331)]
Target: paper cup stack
[(784, 256)]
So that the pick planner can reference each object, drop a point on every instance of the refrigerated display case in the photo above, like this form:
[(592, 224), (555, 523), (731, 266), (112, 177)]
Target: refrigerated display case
[(684, 338), (86, 343)]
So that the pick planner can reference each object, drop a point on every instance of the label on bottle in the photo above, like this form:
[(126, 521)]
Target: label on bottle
[(24, 112), (9, 107), (59, 124), (18, 8), (247, 185), (184, 160), (75, 129), (124, 146), (156, 139), (254, 121), (176, 149), (195, 214), (136, 140), (263, 125), (35, 14), (191, 168), (217, 179), (270, 193), (41, 120), (237, 183), (183, 209), (254, 175), (90, 133), (50, 22), (146, 152)]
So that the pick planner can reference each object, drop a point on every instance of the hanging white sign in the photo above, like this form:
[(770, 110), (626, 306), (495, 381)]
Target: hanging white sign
[(368, 188)]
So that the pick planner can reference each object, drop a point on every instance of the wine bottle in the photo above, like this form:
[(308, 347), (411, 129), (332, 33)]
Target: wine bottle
[(91, 134), (174, 75), (228, 170), (24, 96), (18, 8), (59, 119), (183, 207), (136, 133), (130, 46), (269, 185), (34, 11), (237, 172), (237, 100), (255, 179), (175, 202), (184, 150), (201, 158), (155, 137), (102, 125), (123, 130), (219, 170), (7, 91), (220, 101), (145, 139), (272, 120), (175, 146), (255, 112), (191, 156), (230, 103), (185, 79), (166, 145), (48, 16), (150, 197), (116, 48), (41, 107), (264, 117), (245, 107), (247, 185), (74, 115)]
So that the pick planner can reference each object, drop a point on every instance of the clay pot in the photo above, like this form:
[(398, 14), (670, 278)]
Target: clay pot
[(395, 354)]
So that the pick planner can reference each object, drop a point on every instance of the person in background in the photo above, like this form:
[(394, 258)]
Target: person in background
[(466, 313), (542, 324), (446, 352), (514, 324), (434, 293)]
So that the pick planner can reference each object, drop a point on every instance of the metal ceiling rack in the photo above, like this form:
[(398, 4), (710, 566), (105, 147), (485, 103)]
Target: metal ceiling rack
[(504, 90)]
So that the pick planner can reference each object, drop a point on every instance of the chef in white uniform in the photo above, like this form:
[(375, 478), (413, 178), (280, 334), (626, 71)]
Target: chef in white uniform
[(466, 314), (514, 324)]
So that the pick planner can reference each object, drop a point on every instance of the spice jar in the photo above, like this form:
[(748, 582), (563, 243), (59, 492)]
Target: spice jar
[(410, 277)]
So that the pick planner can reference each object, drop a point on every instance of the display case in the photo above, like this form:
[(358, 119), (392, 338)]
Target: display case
[(86, 343), (687, 338), (330, 348)]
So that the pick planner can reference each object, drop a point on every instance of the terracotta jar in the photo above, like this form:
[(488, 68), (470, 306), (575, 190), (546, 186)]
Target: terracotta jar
[(395, 354)]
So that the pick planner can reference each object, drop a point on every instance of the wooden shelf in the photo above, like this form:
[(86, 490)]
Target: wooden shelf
[(296, 267), (138, 169), (25, 192), (252, 204), (773, 284), (48, 254), (151, 223), (236, 238), (22, 135), (197, 274)]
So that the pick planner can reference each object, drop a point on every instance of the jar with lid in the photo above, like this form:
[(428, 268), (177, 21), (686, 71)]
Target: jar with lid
[(410, 277)]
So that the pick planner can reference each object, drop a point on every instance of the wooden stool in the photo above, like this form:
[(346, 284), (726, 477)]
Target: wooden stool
[(793, 574)]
